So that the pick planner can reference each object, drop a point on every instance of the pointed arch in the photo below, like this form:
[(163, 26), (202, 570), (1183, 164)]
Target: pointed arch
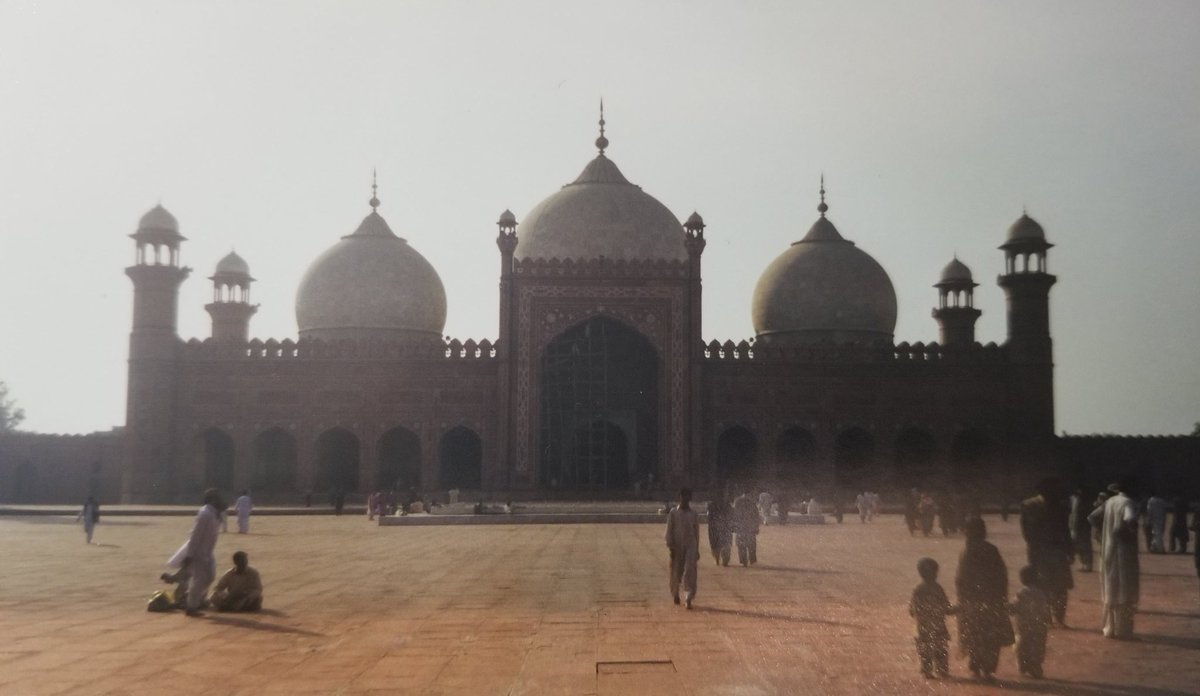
[(795, 453), (461, 459), (737, 454), (399, 460), (854, 454), (275, 455), (338, 454)]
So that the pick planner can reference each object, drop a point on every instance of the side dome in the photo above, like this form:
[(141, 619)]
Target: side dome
[(601, 214), (371, 284), (824, 288)]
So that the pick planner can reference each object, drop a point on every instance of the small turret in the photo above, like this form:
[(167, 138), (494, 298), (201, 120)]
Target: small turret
[(231, 309), (956, 313)]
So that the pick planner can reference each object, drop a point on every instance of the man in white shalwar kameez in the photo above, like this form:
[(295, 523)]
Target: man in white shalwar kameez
[(683, 540), (243, 507), (200, 546), (1119, 561)]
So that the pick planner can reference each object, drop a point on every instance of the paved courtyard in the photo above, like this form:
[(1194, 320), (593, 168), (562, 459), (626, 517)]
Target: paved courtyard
[(353, 608)]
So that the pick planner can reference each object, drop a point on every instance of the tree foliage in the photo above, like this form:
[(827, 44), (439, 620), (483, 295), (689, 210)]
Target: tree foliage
[(10, 414)]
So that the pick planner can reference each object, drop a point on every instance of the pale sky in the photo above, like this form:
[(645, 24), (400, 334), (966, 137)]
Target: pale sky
[(258, 124)]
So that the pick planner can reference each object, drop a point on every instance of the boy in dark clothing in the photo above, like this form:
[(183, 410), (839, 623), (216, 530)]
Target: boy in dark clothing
[(1032, 610), (929, 606)]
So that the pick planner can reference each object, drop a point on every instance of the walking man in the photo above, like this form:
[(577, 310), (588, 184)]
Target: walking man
[(683, 541), (1047, 533), (745, 525), (200, 547), (1119, 588), (243, 507), (90, 514)]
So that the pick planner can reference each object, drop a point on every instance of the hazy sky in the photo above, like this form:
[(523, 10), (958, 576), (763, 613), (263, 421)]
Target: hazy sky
[(258, 123)]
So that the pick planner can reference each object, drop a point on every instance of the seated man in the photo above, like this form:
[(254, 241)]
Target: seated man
[(240, 588)]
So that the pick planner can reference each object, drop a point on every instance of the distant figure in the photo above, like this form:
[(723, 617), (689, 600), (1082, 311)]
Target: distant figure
[(90, 514), (745, 525), (720, 529), (783, 505), (372, 501), (339, 501), (176, 597), (864, 506), (929, 606), (1157, 508), (240, 588), (1179, 525), (1047, 534), (837, 509), (243, 505), (199, 549), (927, 509), (1119, 588), (764, 507), (875, 503), (911, 510), (982, 586), (814, 508), (683, 541), (1081, 530), (947, 514), (1032, 610)]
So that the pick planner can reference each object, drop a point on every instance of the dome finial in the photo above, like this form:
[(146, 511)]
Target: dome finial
[(602, 142), (374, 202), (822, 207)]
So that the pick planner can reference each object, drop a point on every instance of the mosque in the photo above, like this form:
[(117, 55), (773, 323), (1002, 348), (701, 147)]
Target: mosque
[(599, 383)]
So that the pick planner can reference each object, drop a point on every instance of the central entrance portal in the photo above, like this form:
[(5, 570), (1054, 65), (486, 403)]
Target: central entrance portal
[(599, 408)]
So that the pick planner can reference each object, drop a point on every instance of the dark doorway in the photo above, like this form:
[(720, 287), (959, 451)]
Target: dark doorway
[(969, 454), (462, 459), (601, 453), (599, 381), (337, 461), (915, 450), (854, 454), (795, 454), (218, 459), (275, 461), (399, 460), (737, 455)]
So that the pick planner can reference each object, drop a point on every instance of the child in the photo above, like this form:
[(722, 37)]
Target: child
[(929, 606), (1032, 609)]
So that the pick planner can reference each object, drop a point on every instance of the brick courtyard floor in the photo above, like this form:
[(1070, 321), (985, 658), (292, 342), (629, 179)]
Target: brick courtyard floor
[(353, 608)]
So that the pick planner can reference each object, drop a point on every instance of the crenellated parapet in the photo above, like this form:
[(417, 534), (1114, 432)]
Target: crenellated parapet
[(349, 349), (600, 267), (830, 352)]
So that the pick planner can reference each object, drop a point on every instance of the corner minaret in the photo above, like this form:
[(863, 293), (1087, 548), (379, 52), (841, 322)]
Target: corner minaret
[(1027, 286), (231, 309), (153, 356), (956, 313)]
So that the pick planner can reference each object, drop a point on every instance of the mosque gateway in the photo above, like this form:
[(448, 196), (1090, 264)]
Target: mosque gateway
[(599, 382)]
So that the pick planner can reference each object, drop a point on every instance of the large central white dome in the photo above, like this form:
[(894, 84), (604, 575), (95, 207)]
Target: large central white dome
[(601, 214), (371, 284)]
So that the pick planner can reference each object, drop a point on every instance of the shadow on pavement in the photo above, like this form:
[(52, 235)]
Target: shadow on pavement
[(775, 617), (1067, 688), (259, 626), (791, 569), (1173, 614), (1173, 641)]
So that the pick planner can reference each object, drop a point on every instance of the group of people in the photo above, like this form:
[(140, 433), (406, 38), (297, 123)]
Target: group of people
[(983, 611), (727, 522), (868, 504), (1057, 528), (949, 510), (239, 589)]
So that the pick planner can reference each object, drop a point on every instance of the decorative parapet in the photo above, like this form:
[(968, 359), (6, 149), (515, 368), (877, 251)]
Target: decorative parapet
[(601, 267), (347, 349), (824, 352)]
